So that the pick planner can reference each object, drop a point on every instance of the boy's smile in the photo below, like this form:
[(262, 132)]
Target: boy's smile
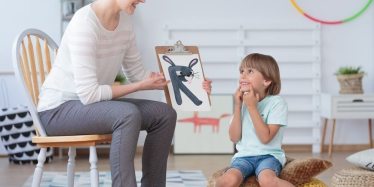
[(244, 85), (250, 77)]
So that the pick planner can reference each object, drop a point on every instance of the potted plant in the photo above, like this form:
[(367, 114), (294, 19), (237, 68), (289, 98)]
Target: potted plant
[(120, 79), (350, 79)]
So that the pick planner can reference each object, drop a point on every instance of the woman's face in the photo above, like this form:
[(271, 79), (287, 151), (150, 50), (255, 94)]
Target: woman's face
[(129, 6)]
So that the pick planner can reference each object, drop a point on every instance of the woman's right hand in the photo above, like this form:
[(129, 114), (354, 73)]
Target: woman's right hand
[(155, 81)]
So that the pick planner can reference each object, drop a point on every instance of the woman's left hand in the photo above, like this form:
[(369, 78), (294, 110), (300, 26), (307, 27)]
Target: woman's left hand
[(207, 85)]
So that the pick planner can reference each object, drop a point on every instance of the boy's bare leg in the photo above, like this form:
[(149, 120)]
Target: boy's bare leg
[(231, 178), (268, 178)]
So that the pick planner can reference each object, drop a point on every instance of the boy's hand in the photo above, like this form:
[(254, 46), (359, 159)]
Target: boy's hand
[(207, 85), (238, 98), (251, 98)]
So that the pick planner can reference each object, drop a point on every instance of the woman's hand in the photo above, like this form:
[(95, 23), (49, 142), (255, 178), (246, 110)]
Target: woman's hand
[(155, 81), (207, 85)]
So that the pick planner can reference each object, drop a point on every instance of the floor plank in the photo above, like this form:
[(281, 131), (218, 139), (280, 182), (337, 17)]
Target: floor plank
[(12, 175)]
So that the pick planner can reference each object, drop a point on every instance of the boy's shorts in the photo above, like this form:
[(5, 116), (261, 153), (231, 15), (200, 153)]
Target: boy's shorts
[(253, 165)]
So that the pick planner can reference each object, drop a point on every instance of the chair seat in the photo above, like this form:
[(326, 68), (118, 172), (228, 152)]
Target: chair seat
[(67, 141)]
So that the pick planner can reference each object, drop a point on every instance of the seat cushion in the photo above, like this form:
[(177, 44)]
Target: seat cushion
[(16, 131), (353, 177), (300, 172)]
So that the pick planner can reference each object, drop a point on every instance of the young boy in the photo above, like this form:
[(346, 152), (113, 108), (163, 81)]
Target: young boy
[(260, 116)]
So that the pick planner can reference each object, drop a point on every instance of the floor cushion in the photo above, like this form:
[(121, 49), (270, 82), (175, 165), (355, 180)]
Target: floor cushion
[(353, 177), (300, 172)]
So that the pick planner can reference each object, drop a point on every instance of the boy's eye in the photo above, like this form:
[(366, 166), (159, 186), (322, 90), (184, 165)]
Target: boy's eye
[(241, 71), (250, 71)]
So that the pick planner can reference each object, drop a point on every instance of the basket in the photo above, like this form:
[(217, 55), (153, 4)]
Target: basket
[(350, 84), (353, 177)]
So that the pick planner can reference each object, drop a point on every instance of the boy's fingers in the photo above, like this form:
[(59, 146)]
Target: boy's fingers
[(250, 88)]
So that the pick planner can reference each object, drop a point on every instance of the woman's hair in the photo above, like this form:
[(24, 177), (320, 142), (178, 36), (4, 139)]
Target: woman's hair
[(268, 67)]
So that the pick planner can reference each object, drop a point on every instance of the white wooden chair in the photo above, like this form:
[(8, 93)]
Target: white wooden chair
[(31, 71)]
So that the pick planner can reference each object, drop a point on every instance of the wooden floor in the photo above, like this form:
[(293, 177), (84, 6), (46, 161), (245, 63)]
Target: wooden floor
[(15, 175)]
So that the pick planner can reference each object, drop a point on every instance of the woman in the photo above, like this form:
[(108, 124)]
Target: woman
[(78, 96)]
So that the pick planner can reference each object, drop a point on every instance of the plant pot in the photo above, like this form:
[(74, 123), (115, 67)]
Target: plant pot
[(116, 83), (350, 84)]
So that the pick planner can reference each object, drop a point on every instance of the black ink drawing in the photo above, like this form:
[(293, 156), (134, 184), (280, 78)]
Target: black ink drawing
[(178, 79)]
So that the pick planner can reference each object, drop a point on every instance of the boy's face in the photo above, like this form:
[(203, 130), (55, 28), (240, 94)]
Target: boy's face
[(250, 76)]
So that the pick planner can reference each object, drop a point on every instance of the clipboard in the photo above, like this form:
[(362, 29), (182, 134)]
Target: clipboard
[(182, 66)]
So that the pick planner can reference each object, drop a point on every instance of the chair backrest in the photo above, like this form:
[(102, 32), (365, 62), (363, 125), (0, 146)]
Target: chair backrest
[(30, 69)]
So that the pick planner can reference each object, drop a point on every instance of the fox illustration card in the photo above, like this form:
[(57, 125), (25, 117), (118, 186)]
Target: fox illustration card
[(205, 132), (186, 77)]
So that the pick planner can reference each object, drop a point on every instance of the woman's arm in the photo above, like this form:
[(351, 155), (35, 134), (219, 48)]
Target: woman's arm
[(132, 64), (80, 42), (155, 81)]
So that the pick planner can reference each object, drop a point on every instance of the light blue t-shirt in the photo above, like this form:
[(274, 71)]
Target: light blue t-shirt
[(273, 110)]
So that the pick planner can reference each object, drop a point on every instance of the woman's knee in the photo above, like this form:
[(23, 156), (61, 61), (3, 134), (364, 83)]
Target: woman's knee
[(127, 115), (168, 112), (172, 114)]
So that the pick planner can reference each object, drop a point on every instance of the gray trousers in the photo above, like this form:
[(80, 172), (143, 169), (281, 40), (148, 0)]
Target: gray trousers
[(123, 119)]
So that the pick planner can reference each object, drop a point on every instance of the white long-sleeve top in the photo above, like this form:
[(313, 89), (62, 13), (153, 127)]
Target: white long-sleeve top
[(88, 60)]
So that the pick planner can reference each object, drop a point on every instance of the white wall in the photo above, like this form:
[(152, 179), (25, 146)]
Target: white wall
[(351, 43), (16, 16), (346, 44)]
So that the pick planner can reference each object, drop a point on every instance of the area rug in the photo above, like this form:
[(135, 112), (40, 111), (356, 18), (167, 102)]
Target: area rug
[(174, 178)]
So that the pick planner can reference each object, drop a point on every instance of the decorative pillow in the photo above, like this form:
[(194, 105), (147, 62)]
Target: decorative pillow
[(16, 131), (314, 183), (363, 159), (300, 171)]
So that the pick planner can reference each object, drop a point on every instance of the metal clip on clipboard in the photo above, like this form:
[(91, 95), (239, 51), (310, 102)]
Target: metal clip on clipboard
[(178, 49)]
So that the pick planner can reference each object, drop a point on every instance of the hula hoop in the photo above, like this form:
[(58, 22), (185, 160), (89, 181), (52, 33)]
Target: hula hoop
[(354, 16)]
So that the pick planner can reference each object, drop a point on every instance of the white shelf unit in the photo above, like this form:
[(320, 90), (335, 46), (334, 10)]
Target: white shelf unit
[(296, 49), (68, 8), (346, 106)]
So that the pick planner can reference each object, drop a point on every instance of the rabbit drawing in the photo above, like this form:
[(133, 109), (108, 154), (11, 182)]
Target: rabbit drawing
[(178, 75)]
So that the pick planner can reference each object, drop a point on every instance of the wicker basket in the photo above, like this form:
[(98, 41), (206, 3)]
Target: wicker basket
[(350, 84), (353, 177)]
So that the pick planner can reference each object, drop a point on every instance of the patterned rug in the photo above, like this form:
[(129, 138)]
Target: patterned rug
[(174, 178)]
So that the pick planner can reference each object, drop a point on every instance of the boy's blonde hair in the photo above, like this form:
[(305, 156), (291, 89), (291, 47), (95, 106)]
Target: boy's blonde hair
[(268, 67)]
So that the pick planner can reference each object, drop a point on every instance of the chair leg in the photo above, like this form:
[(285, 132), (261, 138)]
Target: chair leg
[(93, 170), (323, 134), (71, 166), (370, 135), (38, 173), (332, 137)]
